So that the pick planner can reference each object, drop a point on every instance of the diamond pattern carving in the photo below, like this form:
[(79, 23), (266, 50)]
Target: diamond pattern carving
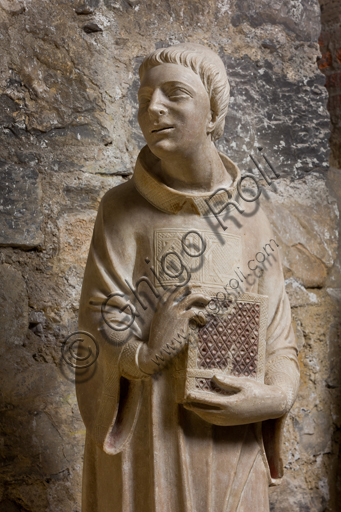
[(230, 342)]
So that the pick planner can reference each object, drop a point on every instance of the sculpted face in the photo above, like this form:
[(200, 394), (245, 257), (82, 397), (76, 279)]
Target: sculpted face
[(174, 110)]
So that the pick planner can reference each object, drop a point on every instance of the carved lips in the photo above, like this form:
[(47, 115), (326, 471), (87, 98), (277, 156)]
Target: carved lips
[(165, 129)]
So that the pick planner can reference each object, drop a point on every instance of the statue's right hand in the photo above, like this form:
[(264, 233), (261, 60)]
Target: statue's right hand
[(169, 328)]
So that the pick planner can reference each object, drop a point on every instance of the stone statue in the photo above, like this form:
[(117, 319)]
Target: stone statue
[(174, 425)]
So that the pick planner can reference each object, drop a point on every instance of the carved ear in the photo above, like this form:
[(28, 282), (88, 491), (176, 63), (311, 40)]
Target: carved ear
[(212, 123)]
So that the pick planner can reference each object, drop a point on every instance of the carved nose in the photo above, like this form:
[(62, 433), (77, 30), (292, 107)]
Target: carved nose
[(158, 110), (156, 105)]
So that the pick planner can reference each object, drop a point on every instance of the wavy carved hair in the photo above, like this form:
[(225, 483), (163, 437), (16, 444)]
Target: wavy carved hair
[(207, 65)]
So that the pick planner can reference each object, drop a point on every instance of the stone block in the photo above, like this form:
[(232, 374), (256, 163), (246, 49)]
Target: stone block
[(20, 207), (75, 236), (305, 220), (13, 308)]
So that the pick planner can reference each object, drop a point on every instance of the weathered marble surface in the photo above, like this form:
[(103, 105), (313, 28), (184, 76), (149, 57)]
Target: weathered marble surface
[(67, 89)]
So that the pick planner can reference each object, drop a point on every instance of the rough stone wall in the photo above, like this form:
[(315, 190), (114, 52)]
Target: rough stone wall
[(68, 133), (330, 65)]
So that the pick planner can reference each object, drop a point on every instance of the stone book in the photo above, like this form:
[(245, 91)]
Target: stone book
[(231, 343)]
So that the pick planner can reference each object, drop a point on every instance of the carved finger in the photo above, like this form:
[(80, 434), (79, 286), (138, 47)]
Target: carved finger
[(174, 296), (197, 320), (189, 300), (215, 403), (233, 384)]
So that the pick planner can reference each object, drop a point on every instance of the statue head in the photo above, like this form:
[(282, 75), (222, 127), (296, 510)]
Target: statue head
[(207, 65)]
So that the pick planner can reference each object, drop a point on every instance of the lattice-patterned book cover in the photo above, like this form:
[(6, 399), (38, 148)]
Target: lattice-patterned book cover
[(231, 343)]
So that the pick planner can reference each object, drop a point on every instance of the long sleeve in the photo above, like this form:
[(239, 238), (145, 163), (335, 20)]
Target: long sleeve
[(282, 367), (108, 403), (281, 358)]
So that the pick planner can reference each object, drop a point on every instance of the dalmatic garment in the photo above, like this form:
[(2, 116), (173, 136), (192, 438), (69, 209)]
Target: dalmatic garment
[(144, 451)]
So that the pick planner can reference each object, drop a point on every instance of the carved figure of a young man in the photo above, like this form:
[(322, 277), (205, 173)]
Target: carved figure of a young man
[(146, 450)]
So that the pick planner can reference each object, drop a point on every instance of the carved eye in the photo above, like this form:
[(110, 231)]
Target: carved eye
[(176, 93)]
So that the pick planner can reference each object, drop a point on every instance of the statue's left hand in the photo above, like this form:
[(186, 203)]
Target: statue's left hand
[(250, 402)]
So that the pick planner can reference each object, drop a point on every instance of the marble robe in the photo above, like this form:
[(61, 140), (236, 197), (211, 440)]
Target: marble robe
[(144, 452)]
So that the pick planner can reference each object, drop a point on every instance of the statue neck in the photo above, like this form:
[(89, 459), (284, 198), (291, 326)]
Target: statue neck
[(199, 171)]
